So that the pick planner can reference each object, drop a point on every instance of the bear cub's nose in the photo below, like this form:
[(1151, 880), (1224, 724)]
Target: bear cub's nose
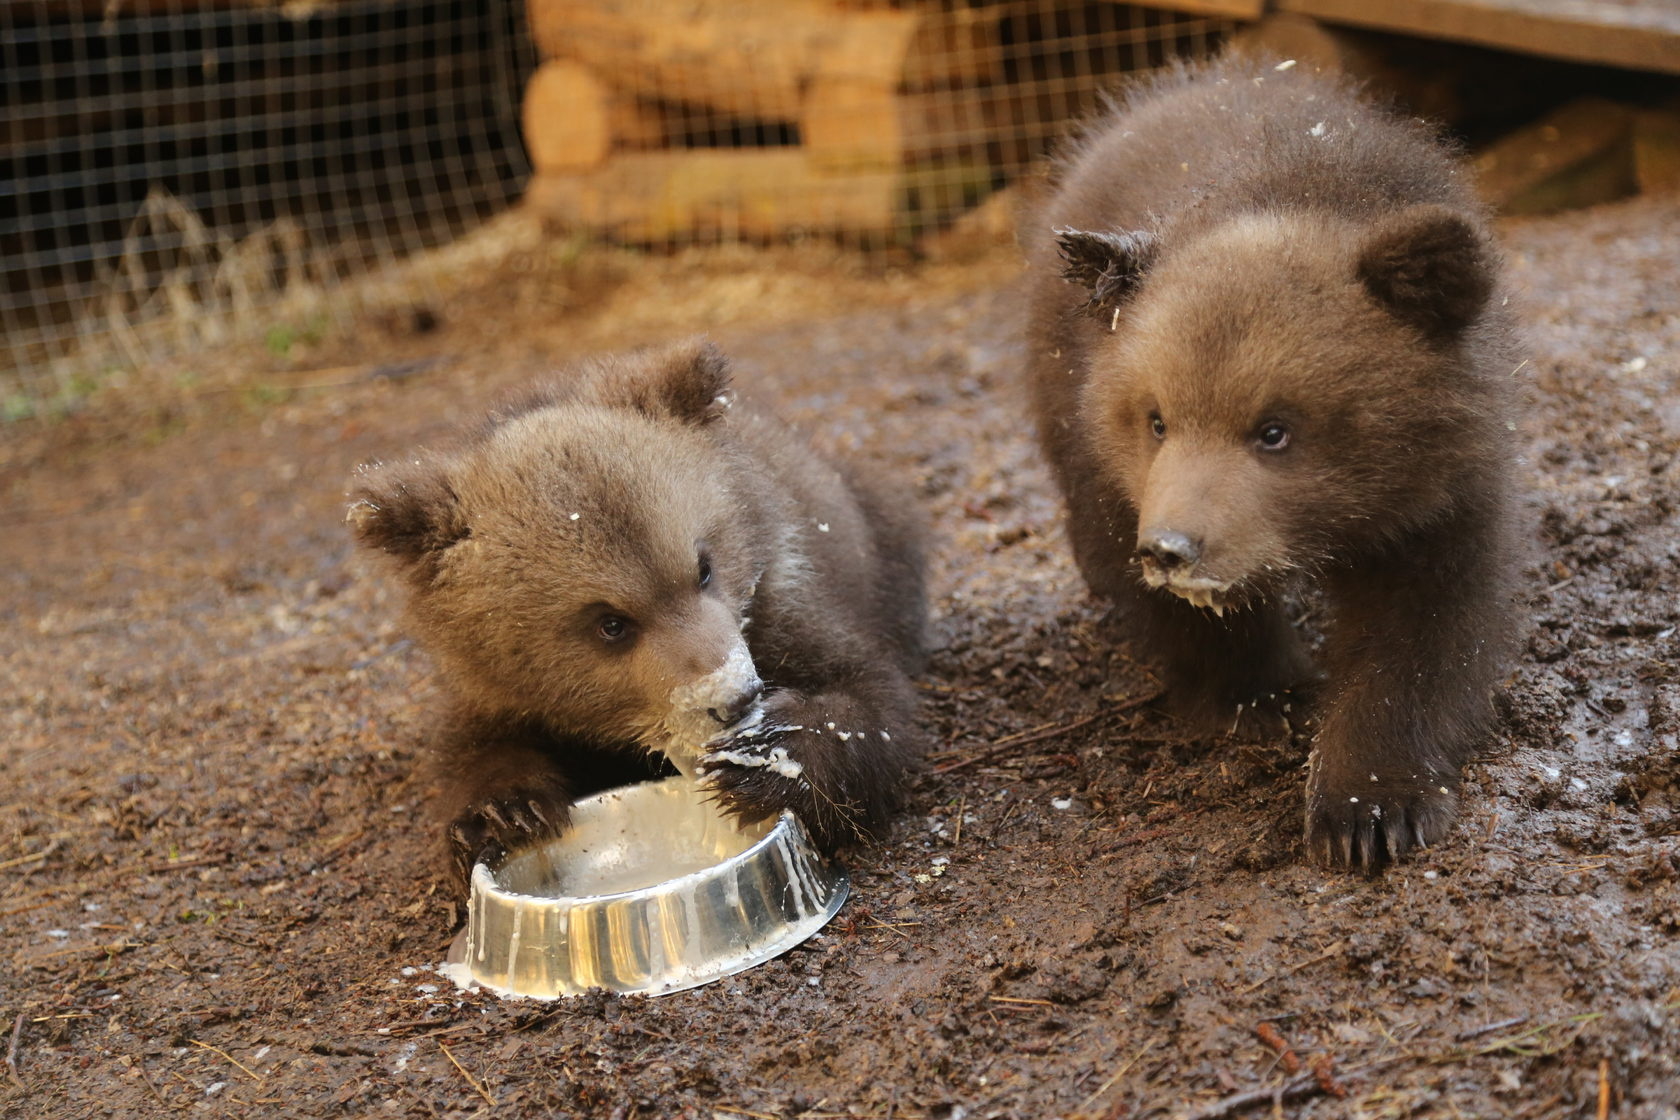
[(1170, 550), (739, 706)]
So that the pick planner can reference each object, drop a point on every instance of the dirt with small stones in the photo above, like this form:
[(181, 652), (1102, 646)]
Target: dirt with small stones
[(215, 888)]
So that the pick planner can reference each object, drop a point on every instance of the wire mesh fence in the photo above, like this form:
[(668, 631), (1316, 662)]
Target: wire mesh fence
[(671, 121), (170, 169)]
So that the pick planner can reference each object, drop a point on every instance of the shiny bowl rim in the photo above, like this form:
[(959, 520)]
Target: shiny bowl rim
[(786, 819)]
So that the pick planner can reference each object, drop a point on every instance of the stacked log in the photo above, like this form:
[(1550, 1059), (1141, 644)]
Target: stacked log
[(890, 109)]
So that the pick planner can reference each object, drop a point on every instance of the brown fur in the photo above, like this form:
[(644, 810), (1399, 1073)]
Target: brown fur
[(638, 490), (1239, 255)]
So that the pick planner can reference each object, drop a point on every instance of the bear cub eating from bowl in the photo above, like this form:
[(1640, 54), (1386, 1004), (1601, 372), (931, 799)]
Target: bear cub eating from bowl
[(629, 569), (1267, 347)]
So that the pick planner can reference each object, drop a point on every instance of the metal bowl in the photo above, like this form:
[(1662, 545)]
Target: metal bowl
[(650, 890)]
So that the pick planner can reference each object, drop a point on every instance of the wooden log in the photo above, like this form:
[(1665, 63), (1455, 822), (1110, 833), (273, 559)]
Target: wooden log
[(849, 125), (1579, 155), (572, 120), (755, 58), (752, 193), (1656, 150)]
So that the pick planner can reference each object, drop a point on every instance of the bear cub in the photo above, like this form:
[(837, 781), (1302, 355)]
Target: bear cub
[(630, 570), (1267, 346)]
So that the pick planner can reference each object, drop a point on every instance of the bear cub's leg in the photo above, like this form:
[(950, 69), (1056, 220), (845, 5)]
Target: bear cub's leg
[(1409, 656)]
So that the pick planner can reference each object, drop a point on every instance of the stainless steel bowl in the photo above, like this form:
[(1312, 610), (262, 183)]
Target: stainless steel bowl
[(650, 890)]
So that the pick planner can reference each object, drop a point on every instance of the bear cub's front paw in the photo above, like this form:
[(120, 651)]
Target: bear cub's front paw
[(505, 822), (1365, 820), (752, 769)]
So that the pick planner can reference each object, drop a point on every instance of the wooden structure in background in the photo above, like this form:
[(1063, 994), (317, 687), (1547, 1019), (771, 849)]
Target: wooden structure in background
[(881, 109), (875, 95)]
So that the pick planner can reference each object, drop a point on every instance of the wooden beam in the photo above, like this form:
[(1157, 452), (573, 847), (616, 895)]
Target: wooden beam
[(1608, 32), (756, 193), (1220, 9)]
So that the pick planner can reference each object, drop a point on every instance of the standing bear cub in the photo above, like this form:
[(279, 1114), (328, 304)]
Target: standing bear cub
[(1266, 346), (629, 569)]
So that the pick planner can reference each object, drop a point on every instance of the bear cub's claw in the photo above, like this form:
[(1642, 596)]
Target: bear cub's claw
[(498, 825), (1365, 826)]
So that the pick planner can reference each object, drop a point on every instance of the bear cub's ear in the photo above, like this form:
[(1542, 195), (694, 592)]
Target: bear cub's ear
[(1108, 265), (688, 381), (408, 510), (1429, 267)]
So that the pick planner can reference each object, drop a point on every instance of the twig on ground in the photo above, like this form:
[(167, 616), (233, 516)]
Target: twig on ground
[(1302, 1086), (471, 1080), (249, 1072), (18, 861), (1117, 1075), (1489, 1028), (1603, 1089), (1294, 968), (11, 1053), (140, 1065), (1516, 1043), (1020, 739), (182, 863)]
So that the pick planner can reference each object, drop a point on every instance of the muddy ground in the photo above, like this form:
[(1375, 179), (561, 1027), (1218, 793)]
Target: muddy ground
[(215, 888)]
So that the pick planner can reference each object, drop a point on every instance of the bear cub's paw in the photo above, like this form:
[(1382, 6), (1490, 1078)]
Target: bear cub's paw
[(1365, 820), (512, 819), (811, 754), (754, 768)]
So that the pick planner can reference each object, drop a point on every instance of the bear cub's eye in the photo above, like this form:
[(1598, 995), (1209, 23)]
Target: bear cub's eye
[(1273, 436), (705, 570), (1157, 425), (613, 628)]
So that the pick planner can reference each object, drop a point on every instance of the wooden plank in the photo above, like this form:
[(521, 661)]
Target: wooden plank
[(1628, 33), (1579, 155), (744, 192), (1656, 150), (1222, 9), (118, 9)]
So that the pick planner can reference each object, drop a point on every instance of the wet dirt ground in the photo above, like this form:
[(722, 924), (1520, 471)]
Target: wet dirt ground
[(216, 894)]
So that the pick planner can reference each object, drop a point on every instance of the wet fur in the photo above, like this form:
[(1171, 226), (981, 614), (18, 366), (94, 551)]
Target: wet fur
[(1235, 243), (650, 451)]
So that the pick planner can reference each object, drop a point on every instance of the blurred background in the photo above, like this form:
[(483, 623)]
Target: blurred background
[(177, 175)]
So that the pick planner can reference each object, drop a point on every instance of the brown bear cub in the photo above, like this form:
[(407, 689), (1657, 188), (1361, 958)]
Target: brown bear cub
[(1266, 347), (629, 569)]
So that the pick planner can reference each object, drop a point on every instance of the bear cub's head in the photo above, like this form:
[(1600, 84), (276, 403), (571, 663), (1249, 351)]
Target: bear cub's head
[(587, 559), (1279, 391)]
